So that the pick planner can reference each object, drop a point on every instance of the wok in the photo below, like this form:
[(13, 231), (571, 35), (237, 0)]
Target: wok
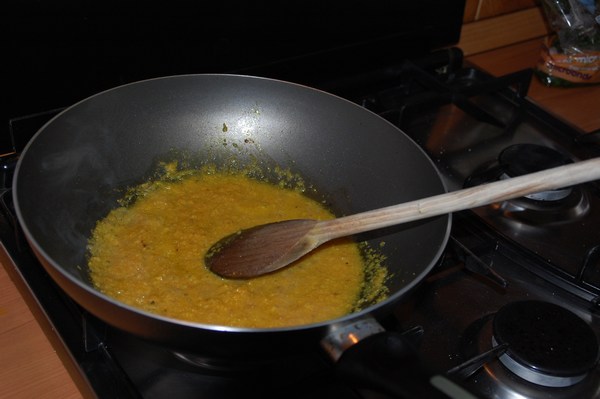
[(75, 168)]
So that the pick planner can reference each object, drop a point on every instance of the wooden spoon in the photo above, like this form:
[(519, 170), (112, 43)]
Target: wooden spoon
[(264, 249)]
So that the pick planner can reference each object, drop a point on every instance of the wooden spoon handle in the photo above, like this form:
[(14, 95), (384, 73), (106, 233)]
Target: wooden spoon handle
[(459, 200)]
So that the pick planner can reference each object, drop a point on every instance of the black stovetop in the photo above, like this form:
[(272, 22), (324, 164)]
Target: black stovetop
[(484, 269), (462, 118)]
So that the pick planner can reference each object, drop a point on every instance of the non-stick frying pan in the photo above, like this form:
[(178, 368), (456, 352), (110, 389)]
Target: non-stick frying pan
[(76, 167)]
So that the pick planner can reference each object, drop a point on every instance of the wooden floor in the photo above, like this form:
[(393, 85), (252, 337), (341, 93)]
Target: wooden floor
[(29, 366)]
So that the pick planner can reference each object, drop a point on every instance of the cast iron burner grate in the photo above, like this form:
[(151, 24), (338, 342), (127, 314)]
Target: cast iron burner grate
[(474, 127), (422, 87)]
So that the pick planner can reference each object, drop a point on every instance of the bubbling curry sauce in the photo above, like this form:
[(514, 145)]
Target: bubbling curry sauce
[(150, 254)]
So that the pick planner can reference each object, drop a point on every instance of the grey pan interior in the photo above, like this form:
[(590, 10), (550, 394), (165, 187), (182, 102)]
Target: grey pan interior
[(76, 167)]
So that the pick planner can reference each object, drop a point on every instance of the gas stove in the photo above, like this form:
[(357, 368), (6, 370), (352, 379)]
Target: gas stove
[(511, 310), (526, 268)]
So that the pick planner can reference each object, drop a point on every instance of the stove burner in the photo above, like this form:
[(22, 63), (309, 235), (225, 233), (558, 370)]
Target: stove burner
[(521, 159), (538, 210), (540, 213), (547, 344)]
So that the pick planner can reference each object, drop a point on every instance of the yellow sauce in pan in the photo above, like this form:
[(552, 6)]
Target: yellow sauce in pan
[(150, 255)]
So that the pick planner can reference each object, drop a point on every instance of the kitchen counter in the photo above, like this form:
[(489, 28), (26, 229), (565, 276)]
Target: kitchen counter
[(30, 367), (579, 106)]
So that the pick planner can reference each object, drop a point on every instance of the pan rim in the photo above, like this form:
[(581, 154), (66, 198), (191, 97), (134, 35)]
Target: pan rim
[(78, 283)]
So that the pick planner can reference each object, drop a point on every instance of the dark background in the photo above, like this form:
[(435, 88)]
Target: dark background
[(62, 52)]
